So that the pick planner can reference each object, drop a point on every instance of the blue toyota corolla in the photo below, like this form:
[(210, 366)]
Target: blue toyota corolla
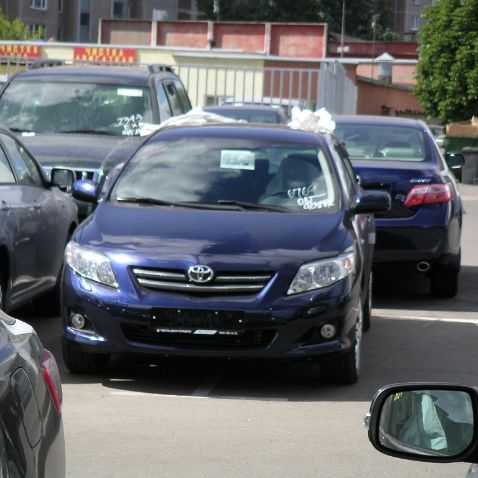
[(423, 227), (224, 240)]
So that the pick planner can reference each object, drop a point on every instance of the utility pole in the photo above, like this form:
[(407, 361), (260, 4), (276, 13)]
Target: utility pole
[(374, 31), (342, 34)]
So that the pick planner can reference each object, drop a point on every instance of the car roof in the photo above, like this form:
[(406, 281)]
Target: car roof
[(378, 120), (245, 107), (135, 75), (253, 131)]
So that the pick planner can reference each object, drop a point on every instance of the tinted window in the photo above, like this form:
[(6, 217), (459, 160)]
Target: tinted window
[(163, 104), (215, 169), (183, 97), (6, 174), (75, 107), (22, 162), (174, 100), (377, 142)]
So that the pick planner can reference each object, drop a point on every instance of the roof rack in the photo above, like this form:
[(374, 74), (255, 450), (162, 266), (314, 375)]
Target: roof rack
[(45, 64), (158, 68)]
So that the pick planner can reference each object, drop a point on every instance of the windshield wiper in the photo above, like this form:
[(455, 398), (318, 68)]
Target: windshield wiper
[(250, 205), (160, 202), (88, 131), (16, 129)]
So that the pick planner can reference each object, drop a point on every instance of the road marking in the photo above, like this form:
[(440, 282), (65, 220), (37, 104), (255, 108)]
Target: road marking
[(426, 319)]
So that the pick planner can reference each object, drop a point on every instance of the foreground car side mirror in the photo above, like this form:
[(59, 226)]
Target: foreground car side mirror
[(455, 160), (372, 201), (425, 422), (85, 190), (62, 178)]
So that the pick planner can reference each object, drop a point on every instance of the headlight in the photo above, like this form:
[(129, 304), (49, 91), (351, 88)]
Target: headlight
[(316, 275), (90, 264)]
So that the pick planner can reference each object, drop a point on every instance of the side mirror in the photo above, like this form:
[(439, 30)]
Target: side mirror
[(455, 160), (85, 190), (426, 422), (62, 178), (372, 201)]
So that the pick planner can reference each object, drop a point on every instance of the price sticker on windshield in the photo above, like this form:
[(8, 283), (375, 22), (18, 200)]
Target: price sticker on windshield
[(237, 159)]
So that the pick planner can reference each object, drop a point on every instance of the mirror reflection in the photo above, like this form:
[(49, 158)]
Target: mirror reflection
[(427, 422)]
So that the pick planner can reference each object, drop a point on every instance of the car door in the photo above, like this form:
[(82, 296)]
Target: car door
[(363, 224), (45, 234)]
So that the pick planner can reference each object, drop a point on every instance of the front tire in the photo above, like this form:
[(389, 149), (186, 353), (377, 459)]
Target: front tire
[(79, 361), (345, 369)]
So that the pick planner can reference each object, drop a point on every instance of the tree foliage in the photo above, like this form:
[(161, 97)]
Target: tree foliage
[(358, 18), (16, 30), (447, 71)]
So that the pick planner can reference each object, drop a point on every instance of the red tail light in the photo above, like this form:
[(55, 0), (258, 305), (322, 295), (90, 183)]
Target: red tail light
[(51, 374), (428, 194)]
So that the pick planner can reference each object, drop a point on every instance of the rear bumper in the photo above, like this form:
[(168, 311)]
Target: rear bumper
[(438, 245)]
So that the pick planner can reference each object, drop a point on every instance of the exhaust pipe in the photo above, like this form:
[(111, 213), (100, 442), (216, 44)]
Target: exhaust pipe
[(423, 266)]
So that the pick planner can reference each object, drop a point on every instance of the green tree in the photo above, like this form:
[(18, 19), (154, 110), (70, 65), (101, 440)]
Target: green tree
[(447, 70), (17, 30), (358, 18)]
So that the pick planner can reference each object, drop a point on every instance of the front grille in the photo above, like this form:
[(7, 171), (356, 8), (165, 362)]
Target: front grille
[(231, 283)]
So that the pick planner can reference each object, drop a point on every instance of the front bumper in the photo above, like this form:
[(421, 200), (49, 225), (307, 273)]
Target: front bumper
[(232, 327)]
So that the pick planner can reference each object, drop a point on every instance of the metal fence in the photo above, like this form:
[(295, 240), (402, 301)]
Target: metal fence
[(327, 87)]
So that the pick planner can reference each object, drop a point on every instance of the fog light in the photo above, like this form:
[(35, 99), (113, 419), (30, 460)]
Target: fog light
[(327, 331), (77, 321)]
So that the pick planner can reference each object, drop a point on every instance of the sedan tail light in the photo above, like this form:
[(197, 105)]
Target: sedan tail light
[(428, 194), (51, 374)]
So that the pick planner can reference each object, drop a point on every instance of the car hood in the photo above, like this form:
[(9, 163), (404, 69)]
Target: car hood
[(76, 151), (182, 236)]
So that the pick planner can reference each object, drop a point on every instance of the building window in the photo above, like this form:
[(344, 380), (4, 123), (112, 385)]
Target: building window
[(60, 6), (416, 2), (415, 24), (38, 4), (85, 20), (185, 4), (37, 28), (118, 9)]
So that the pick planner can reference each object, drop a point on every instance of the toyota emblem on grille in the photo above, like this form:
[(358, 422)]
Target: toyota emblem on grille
[(200, 274)]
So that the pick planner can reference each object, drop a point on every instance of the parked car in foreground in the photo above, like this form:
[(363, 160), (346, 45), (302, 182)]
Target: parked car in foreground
[(430, 422), (32, 444), (37, 220), (251, 113), (224, 240), (422, 230), (77, 116)]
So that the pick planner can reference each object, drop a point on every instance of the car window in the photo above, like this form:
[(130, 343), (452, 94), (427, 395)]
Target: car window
[(183, 97), (174, 100), (296, 178), (382, 142), (23, 163), (6, 173), (163, 103), (75, 107)]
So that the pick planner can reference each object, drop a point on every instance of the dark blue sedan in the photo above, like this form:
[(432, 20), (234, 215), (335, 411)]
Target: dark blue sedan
[(422, 230), (224, 241), (36, 221)]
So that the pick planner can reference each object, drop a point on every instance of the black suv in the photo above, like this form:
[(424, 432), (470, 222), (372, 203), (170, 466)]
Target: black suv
[(78, 116)]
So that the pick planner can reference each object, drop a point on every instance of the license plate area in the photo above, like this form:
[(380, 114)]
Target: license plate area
[(197, 322)]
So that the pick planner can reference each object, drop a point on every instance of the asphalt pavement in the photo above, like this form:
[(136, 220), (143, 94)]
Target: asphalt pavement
[(206, 418)]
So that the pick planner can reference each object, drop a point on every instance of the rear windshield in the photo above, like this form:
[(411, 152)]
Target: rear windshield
[(212, 171), (373, 142), (69, 107)]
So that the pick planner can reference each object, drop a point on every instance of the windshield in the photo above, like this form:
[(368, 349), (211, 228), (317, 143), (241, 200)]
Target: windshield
[(224, 171), (68, 107), (382, 142)]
